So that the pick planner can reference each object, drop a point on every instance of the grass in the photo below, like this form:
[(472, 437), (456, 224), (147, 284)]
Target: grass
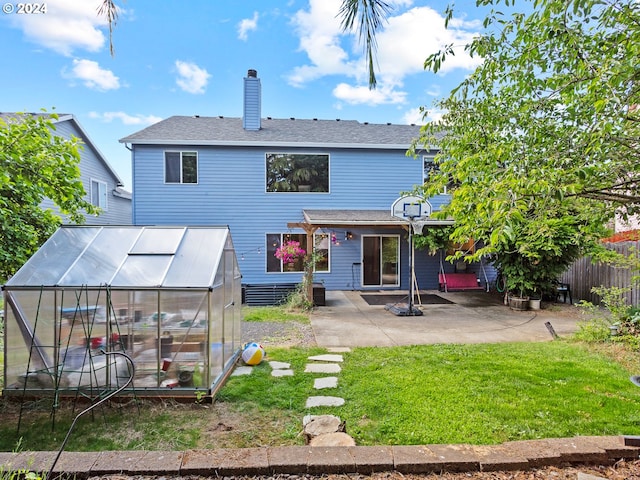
[(278, 314), (480, 394)]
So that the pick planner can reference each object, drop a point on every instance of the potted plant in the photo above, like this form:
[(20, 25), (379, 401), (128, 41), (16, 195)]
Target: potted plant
[(289, 252), (518, 279)]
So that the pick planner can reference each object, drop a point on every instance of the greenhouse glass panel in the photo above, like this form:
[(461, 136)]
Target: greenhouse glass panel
[(101, 259), (143, 271), (158, 241), (53, 259), (197, 264)]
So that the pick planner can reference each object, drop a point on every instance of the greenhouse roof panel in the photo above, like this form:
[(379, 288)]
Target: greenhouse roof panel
[(126, 257), (195, 262)]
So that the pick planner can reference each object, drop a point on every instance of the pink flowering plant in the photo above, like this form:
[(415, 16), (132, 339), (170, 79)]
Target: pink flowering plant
[(289, 252)]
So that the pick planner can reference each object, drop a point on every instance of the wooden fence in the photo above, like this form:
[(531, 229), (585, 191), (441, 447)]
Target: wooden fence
[(584, 274)]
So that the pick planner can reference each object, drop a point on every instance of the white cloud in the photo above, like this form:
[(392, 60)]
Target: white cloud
[(420, 116), (246, 25), (191, 78), (413, 117), (319, 32), (125, 118), (407, 39), (94, 77), (363, 95), (67, 25)]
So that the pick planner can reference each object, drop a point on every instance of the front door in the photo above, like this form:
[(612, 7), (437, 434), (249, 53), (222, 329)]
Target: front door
[(380, 259)]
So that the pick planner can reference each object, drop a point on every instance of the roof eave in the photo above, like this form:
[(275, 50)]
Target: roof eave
[(210, 143)]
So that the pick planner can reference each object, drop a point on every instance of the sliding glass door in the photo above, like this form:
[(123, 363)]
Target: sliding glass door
[(380, 260)]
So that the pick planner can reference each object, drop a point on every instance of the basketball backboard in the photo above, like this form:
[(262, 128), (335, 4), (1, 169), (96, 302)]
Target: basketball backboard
[(411, 208)]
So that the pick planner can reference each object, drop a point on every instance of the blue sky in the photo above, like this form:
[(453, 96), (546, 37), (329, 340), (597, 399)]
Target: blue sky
[(176, 57)]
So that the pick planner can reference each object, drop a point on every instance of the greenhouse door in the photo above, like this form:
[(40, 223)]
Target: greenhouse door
[(380, 255)]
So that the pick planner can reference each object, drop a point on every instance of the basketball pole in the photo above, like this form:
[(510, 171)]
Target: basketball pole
[(411, 310), (410, 303)]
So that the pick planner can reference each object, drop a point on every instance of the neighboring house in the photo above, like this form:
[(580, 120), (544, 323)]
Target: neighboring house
[(271, 180), (101, 182)]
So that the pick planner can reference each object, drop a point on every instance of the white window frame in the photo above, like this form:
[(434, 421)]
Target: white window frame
[(316, 239), (430, 157), (181, 153), (102, 197), (303, 192)]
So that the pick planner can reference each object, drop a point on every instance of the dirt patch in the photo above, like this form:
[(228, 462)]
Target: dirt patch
[(279, 334)]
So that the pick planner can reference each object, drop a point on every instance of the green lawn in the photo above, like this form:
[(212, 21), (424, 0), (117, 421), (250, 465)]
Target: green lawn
[(480, 394)]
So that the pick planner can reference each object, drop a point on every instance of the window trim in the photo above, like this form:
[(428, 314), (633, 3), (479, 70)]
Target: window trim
[(431, 155), (282, 235), (298, 192), (95, 181), (181, 152)]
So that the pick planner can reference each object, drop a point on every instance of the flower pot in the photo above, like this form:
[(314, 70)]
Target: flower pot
[(534, 304), (519, 303)]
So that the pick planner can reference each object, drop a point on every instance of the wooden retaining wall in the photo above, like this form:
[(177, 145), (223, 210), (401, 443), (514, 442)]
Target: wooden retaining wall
[(584, 274)]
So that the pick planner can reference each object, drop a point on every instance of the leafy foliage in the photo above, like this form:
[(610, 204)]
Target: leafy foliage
[(540, 142), (35, 164)]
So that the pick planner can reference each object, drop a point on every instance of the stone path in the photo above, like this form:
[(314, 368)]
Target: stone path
[(327, 364)]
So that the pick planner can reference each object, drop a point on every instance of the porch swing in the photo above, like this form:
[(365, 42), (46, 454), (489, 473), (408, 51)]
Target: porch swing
[(461, 281)]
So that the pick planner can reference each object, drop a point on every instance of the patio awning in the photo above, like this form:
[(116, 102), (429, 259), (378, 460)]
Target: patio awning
[(356, 218)]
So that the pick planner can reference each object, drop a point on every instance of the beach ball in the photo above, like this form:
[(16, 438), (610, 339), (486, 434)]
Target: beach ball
[(253, 354)]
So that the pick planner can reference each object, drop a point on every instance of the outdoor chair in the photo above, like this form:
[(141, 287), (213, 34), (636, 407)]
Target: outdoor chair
[(565, 290)]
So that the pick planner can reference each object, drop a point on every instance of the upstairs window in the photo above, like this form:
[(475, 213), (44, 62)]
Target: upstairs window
[(429, 168), (297, 172), (99, 194), (180, 167)]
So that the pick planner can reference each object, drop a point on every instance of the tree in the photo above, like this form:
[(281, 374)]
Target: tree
[(541, 140), (35, 164)]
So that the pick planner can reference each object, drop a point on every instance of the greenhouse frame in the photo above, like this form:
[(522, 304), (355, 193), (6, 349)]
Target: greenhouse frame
[(98, 305)]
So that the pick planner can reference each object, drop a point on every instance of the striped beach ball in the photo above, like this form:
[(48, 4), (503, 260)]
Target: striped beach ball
[(253, 354)]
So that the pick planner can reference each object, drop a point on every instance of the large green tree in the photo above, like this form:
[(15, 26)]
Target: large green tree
[(35, 164), (541, 141)]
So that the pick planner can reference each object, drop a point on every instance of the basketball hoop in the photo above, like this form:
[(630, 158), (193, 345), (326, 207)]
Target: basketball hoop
[(416, 211)]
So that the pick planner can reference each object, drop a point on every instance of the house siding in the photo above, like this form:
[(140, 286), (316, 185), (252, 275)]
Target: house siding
[(231, 190), (118, 210)]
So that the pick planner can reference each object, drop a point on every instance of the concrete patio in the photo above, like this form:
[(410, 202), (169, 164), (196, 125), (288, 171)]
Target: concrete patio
[(348, 320)]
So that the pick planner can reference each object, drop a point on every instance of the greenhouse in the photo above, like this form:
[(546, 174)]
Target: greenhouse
[(98, 305)]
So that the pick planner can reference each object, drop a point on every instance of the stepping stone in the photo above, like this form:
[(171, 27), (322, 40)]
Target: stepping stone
[(336, 439), (325, 382), (242, 371), (322, 424), (310, 418), (326, 358), (322, 401), (587, 476), (338, 349), (322, 368), (282, 373), (279, 365)]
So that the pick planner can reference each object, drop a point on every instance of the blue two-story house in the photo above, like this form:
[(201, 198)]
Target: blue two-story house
[(273, 180)]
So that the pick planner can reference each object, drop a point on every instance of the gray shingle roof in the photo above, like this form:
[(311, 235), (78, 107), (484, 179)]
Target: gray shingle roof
[(180, 130)]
